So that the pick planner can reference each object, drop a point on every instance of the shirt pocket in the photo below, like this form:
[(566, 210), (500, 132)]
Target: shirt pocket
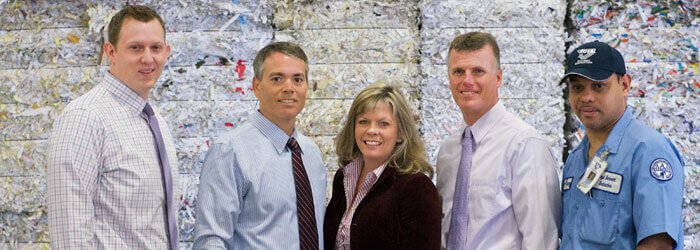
[(600, 222), (484, 199), (568, 210), (319, 190)]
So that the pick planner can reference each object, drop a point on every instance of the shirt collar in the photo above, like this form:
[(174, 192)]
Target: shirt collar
[(355, 166), (614, 140), (612, 143), (123, 93), (275, 134), (378, 171), (481, 127)]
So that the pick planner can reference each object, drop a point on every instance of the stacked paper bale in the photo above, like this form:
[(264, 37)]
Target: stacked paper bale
[(659, 41), (50, 56), (350, 44), (531, 37)]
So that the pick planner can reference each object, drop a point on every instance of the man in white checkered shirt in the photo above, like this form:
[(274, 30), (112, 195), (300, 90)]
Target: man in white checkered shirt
[(106, 189)]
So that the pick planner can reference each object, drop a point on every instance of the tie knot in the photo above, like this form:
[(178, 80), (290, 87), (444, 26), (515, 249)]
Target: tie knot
[(292, 144), (467, 137), (148, 110)]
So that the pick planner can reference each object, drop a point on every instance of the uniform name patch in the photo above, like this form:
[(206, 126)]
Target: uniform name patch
[(567, 183), (609, 182), (661, 169)]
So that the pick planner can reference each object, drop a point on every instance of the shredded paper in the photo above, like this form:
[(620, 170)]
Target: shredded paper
[(50, 55)]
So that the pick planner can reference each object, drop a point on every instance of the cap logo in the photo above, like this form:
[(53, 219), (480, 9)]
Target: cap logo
[(583, 55)]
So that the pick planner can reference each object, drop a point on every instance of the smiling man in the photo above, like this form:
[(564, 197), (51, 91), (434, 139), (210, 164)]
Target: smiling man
[(497, 177), (110, 181), (263, 185), (632, 195)]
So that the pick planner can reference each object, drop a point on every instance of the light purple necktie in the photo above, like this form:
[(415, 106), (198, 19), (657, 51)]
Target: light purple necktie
[(166, 176), (457, 236)]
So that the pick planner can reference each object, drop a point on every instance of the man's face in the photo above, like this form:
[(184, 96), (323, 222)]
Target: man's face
[(138, 58), (598, 104), (282, 89), (474, 81)]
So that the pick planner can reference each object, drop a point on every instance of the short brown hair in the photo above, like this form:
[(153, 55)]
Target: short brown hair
[(475, 41), (137, 12), (286, 48), (409, 155)]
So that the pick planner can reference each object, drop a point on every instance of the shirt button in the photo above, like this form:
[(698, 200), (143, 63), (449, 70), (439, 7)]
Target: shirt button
[(602, 204), (576, 207)]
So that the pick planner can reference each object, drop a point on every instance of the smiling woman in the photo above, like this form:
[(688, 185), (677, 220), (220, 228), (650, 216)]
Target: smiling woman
[(408, 155), (382, 189), (376, 134)]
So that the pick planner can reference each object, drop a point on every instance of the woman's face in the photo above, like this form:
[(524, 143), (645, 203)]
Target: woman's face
[(376, 133)]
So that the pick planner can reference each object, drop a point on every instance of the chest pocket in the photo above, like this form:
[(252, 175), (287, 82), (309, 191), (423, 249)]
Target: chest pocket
[(568, 210), (600, 220), (484, 199)]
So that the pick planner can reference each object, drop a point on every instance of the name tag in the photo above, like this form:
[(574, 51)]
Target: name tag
[(567, 183), (594, 172), (609, 182)]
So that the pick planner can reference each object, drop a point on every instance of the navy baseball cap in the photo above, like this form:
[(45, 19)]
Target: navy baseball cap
[(595, 61)]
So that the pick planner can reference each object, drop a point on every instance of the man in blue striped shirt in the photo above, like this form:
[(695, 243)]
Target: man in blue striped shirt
[(249, 192)]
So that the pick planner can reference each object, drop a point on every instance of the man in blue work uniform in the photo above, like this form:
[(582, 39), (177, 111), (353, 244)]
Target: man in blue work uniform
[(633, 187)]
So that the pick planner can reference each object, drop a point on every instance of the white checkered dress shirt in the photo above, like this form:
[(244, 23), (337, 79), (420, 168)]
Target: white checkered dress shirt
[(105, 189)]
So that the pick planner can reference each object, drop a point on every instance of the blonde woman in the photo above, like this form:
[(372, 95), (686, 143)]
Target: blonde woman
[(382, 195)]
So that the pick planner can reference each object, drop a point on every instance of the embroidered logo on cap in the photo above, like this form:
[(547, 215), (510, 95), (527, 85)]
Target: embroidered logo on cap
[(584, 54), (661, 169)]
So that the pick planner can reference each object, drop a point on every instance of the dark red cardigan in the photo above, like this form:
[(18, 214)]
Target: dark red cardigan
[(399, 212)]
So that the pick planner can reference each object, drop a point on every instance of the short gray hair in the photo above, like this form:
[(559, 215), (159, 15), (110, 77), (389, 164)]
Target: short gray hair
[(286, 48)]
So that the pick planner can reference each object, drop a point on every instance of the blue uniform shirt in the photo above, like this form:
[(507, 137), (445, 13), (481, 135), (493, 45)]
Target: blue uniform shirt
[(639, 195)]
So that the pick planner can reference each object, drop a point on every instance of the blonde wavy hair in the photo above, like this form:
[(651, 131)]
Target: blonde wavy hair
[(409, 156)]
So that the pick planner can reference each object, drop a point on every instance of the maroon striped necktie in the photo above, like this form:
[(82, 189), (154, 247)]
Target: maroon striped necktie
[(308, 236)]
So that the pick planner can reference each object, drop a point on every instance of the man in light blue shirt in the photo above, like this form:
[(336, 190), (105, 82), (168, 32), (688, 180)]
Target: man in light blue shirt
[(251, 192), (632, 188)]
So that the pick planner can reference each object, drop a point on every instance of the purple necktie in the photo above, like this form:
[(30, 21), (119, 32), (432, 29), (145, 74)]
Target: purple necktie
[(457, 236), (308, 235), (165, 174)]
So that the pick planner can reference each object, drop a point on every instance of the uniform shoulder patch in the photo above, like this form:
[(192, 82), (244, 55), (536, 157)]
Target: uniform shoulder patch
[(661, 169)]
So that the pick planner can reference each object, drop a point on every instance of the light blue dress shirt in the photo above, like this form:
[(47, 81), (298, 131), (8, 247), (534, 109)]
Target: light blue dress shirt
[(246, 194), (640, 196)]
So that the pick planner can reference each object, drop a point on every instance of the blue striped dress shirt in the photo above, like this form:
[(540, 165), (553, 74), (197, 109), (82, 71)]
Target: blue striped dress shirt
[(104, 183), (246, 194)]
